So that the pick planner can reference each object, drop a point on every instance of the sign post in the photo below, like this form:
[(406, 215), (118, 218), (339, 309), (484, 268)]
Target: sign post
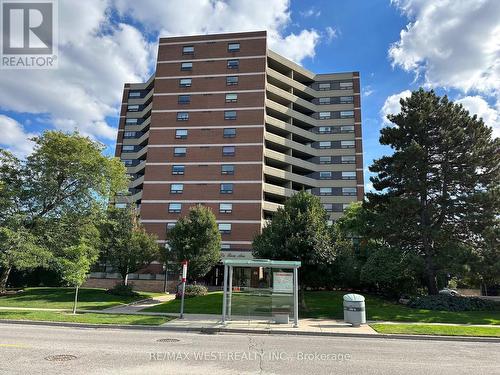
[(184, 274)]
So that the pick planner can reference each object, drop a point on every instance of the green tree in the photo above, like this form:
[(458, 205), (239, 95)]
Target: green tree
[(299, 231), (486, 265), (66, 176), (19, 249), (125, 243), (196, 238), (433, 192)]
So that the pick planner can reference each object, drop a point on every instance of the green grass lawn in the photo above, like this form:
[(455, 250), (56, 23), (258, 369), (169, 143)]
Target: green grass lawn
[(442, 330), (90, 318), (62, 298), (328, 304)]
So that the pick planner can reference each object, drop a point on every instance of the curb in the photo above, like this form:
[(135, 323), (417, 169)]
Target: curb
[(214, 331)]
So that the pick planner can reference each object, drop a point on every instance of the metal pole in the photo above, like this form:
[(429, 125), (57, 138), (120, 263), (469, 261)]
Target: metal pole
[(224, 296), (165, 283), (295, 297), (182, 299), (230, 299)]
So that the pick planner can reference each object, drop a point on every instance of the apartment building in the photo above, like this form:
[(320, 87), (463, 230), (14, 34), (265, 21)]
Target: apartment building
[(228, 123)]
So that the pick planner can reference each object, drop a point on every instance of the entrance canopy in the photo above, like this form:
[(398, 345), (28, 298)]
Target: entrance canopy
[(275, 284)]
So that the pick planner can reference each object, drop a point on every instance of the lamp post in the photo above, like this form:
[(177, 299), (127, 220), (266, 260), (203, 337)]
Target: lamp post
[(165, 282)]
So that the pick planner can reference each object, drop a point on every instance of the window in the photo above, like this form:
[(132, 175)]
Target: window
[(225, 246), (129, 134), (185, 82), (324, 86), (325, 191), (325, 115), (349, 191), (345, 206), (324, 100), (346, 99), (347, 144), (229, 132), (229, 115), (325, 175), (225, 228), (346, 114), (325, 129), (128, 162), (178, 169), (131, 121), (184, 99), (170, 226), (133, 108), (180, 151), (174, 207), (128, 148), (233, 47), (226, 188), (345, 85), (227, 169), (348, 175), (225, 208), (347, 159), (176, 188), (232, 81), (186, 66), (134, 94), (228, 151), (182, 116), (347, 129), (328, 207), (325, 159), (233, 64), (188, 50), (181, 133), (325, 144), (231, 98)]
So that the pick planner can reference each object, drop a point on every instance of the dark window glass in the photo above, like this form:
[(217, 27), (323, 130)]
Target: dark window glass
[(229, 132), (232, 80), (229, 115), (227, 169), (233, 64), (184, 99), (178, 169), (188, 50), (233, 47), (228, 150)]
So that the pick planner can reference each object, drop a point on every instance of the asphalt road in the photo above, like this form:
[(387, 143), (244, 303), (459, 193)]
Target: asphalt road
[(24, 349)]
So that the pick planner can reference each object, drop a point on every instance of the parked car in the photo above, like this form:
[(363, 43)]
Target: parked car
[(450, 292)]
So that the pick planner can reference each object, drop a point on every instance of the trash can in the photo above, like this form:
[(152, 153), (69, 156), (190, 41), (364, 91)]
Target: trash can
[(354, 309)]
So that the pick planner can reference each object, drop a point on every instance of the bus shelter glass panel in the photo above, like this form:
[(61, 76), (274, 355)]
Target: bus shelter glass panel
[(261, 292)]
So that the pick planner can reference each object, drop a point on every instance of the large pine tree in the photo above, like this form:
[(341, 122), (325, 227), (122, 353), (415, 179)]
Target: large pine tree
[(439, 189)]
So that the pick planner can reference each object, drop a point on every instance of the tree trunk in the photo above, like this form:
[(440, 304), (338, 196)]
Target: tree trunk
[(302, 297), (430, 276), (4, 277), (125, 279), (76, 299)]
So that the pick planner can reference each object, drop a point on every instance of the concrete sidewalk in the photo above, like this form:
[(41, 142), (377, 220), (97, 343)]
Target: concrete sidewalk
[(237, 324)]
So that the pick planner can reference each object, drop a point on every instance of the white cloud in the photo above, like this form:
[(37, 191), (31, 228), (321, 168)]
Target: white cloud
[(451, 43), (310, 12), (95, 59), (331, 33), (480, 107), (213, 16), (14, 137), (392, 106), (367, 90)]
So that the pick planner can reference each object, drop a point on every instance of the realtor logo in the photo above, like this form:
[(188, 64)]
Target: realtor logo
[(29, 31)]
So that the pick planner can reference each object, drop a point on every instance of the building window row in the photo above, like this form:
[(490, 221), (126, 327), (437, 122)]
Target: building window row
[(335, 207), (230, 81), (336, 144), (226, 169), (226, 151), (336, 129), (228, 115), (224, 208), (224, 188), (335, 100), (344, 159), (327, 115), (231, 47), (336, 85)]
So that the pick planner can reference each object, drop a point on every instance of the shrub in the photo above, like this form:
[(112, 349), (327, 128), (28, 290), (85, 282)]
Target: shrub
[(192, 291), (122, 290), (445, 302)]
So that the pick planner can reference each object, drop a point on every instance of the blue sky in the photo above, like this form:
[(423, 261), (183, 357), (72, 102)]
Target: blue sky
[(396, 45)]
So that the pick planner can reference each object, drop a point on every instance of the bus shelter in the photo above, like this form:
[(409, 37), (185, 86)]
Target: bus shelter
[(261, 287)]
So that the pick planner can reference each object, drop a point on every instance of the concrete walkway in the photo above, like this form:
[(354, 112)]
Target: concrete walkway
[(135, 307)]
